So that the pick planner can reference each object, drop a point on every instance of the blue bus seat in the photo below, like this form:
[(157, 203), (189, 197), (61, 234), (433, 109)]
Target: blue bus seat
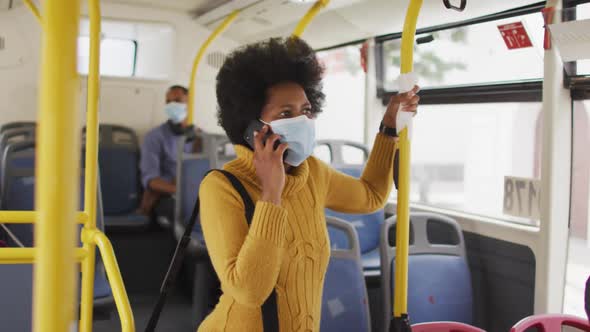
[(118, 157), (192, 170), (345, 300), (15, 135), (16, 302), (18, 187), (336, 149), (439, 281), (19, 196), (17, 124), (367, 227), (217, 148), (103, 295)]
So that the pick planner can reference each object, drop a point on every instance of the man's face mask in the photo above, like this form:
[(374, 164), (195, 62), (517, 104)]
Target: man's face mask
[(299, 133), (175, 111)]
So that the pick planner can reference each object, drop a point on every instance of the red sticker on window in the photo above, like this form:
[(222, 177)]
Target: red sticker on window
[(515, 35)]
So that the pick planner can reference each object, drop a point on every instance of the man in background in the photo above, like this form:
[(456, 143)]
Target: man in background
[(159, 153)]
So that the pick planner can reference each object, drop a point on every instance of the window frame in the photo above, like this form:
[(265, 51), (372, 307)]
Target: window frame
[(134, 65), (579, 85), (511, 91)]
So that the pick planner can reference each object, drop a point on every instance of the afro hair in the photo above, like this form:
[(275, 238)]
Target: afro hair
[(248, 73)]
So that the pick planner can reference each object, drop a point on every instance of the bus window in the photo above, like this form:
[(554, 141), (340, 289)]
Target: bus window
[(344, 86), (473, 54), (461, 153), (323, 153), (352, 155), (117, 56), (578, 266), (143, 50)]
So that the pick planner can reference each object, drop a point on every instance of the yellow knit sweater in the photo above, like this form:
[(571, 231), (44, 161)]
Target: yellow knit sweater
[(286, 247)]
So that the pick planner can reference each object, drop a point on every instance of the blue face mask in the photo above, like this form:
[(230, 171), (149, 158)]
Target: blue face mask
[(299, 133), (176, 112)]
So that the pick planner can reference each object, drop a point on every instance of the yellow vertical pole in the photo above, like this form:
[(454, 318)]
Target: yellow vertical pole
[(309, 16), (403, 196), (90, 176), (191, 91), (58, 155)]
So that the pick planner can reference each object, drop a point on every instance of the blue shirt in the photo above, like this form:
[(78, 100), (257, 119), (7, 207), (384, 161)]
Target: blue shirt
[(159, 153)]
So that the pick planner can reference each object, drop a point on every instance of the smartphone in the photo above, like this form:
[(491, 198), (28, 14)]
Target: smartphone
[(256, 125)]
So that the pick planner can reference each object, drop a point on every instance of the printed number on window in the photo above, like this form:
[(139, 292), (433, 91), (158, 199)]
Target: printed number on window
[(522, 197)]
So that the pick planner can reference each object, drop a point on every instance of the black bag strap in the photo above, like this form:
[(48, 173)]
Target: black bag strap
[(269, 308), (396, 169), (239, 187)]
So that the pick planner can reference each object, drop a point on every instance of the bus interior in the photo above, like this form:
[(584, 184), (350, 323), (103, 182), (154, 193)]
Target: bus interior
[(504, 116)]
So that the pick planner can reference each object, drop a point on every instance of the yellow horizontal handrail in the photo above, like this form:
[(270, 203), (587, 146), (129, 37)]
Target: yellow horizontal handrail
[(31, 217), (191, 91), (311, 13), (34, 10), (27, 255), (114, 275)]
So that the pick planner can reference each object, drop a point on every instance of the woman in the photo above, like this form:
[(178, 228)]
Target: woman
[(286, 247)]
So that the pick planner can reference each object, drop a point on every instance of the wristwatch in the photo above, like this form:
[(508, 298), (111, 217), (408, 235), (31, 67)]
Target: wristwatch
[(387, 130)]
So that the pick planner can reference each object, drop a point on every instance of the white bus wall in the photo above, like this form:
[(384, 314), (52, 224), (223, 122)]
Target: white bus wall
[(133, 102)]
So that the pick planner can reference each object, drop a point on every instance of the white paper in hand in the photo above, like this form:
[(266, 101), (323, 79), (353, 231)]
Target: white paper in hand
[(403, 120)]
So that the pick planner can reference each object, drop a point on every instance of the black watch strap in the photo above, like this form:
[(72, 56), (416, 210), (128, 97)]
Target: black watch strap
[(387, 130)]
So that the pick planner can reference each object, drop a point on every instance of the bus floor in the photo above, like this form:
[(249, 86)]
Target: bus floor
[(175, 317), (143, 259)]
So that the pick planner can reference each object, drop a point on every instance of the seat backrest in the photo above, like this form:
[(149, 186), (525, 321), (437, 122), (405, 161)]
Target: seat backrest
[(213, 148), (119, 166), (367, 225), (15, 135), (225, 152), (192, 170), (16, 302), (345, 300), (16, 283), (550, 323), (102, 288), (444, 327), (337, 147), (17, 124), (18, 186), (18, 165), (439, 281)]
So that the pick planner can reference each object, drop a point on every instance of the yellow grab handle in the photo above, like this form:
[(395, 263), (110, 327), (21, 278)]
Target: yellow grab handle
[(34, 10), (309, 16), (115, 280), (58, 159), (191, 91), (91, 172), (403, 195)]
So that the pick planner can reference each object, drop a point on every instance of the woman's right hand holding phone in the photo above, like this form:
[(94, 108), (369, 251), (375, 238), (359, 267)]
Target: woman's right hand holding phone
[(269, 166)]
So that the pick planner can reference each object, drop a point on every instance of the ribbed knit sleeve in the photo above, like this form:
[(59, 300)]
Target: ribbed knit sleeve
[(369, 193), (247, 260)]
